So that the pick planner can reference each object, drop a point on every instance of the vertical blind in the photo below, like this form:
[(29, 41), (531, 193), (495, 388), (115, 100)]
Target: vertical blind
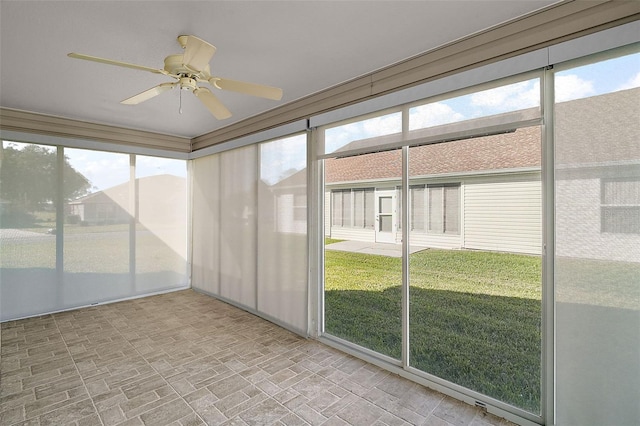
[(250, 229)]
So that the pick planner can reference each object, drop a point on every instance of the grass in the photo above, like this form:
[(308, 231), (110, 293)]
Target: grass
[(328, 241), (475, 316), (102, 249)]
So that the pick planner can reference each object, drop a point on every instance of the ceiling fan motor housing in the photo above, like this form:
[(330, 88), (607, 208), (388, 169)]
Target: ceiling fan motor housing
[(188, 83)]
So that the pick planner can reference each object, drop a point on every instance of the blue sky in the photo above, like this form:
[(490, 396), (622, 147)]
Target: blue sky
[(106, 169), (590, 80), (281, 158)]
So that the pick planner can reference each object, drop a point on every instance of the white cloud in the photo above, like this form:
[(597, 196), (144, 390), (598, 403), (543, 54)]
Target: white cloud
[(570, 86), (521, 95), (281, 158), (632, 83), (433, 114), (103, 170), (385, 125), (337, 137), (150, 166)]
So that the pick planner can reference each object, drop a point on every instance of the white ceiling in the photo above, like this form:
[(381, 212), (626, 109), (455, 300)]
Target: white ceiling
[(301, 46)]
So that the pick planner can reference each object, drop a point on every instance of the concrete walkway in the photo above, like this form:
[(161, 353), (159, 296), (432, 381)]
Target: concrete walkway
[(381, 249), (7, 234)]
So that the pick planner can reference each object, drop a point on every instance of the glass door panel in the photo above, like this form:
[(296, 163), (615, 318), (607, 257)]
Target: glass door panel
[(161, 223), (362, 293), (385, 216), (96, 231), (475, 287), (28, 198), (597, 262)]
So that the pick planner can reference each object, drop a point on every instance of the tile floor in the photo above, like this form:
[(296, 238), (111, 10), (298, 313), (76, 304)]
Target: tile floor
[(184, 358)]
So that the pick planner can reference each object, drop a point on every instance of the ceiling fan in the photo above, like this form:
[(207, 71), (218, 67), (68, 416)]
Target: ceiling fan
[(190, 69)]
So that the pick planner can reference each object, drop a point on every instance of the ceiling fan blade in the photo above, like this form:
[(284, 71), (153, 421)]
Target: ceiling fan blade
[(253, 89), (116, 63), (197, 53), (148, 94), (212, 103)]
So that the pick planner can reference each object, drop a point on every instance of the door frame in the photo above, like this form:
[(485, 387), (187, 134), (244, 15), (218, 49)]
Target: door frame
[(382, 236)]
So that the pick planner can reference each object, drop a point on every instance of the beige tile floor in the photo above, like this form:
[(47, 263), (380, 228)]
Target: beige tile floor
[(184, 358)]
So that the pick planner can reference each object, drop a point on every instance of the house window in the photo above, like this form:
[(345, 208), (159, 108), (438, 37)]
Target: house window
[(299, 207), (353, 208), (443, 206), (417, 208), (620, 206), (341, 205)]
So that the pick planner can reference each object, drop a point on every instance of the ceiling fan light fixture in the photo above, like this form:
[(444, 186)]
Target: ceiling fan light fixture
[(188, 83)]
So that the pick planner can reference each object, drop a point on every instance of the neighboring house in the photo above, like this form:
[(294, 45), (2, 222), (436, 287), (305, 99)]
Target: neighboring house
[(480, 193), (598, 177), (154, 204), (284, 203), (102, 207), (486, 193)]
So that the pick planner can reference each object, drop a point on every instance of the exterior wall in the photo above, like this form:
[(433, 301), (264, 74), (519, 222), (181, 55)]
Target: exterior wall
[(100, 213), (289, 218), (503, 213), (581, 236), (353, 234), (327, 213), (424, 239), (498, 213)]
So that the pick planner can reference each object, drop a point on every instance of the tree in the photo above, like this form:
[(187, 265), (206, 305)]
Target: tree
[(28, 177)]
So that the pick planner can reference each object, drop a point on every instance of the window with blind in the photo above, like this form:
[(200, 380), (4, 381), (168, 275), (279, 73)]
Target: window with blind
[(620, 209), (443, 208), (353, 208), (417, 208)]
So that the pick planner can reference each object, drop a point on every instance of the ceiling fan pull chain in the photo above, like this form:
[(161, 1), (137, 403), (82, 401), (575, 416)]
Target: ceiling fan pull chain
[(180, 101)]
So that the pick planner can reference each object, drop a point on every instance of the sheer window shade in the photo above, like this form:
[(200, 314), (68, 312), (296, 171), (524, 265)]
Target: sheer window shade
[(250, 229), (597, 270), (109, 234), (238, 187)]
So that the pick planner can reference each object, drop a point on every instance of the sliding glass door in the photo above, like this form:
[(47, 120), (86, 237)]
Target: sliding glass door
[(363, 257), (475, 285), (80, 227), (433, 215), (597, 209)]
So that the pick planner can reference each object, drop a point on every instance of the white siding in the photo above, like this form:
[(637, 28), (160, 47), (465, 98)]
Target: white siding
[(344, 233), (503, 213), (423, 239), (353, 234), (327, 213)]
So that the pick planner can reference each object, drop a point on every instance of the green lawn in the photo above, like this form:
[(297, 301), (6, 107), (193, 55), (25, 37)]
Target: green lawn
[(331, 240), (100, 249), (475, 316)]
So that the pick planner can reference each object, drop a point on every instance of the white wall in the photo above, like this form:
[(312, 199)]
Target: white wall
[(499, 213), (503, 213), (424, 239)]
